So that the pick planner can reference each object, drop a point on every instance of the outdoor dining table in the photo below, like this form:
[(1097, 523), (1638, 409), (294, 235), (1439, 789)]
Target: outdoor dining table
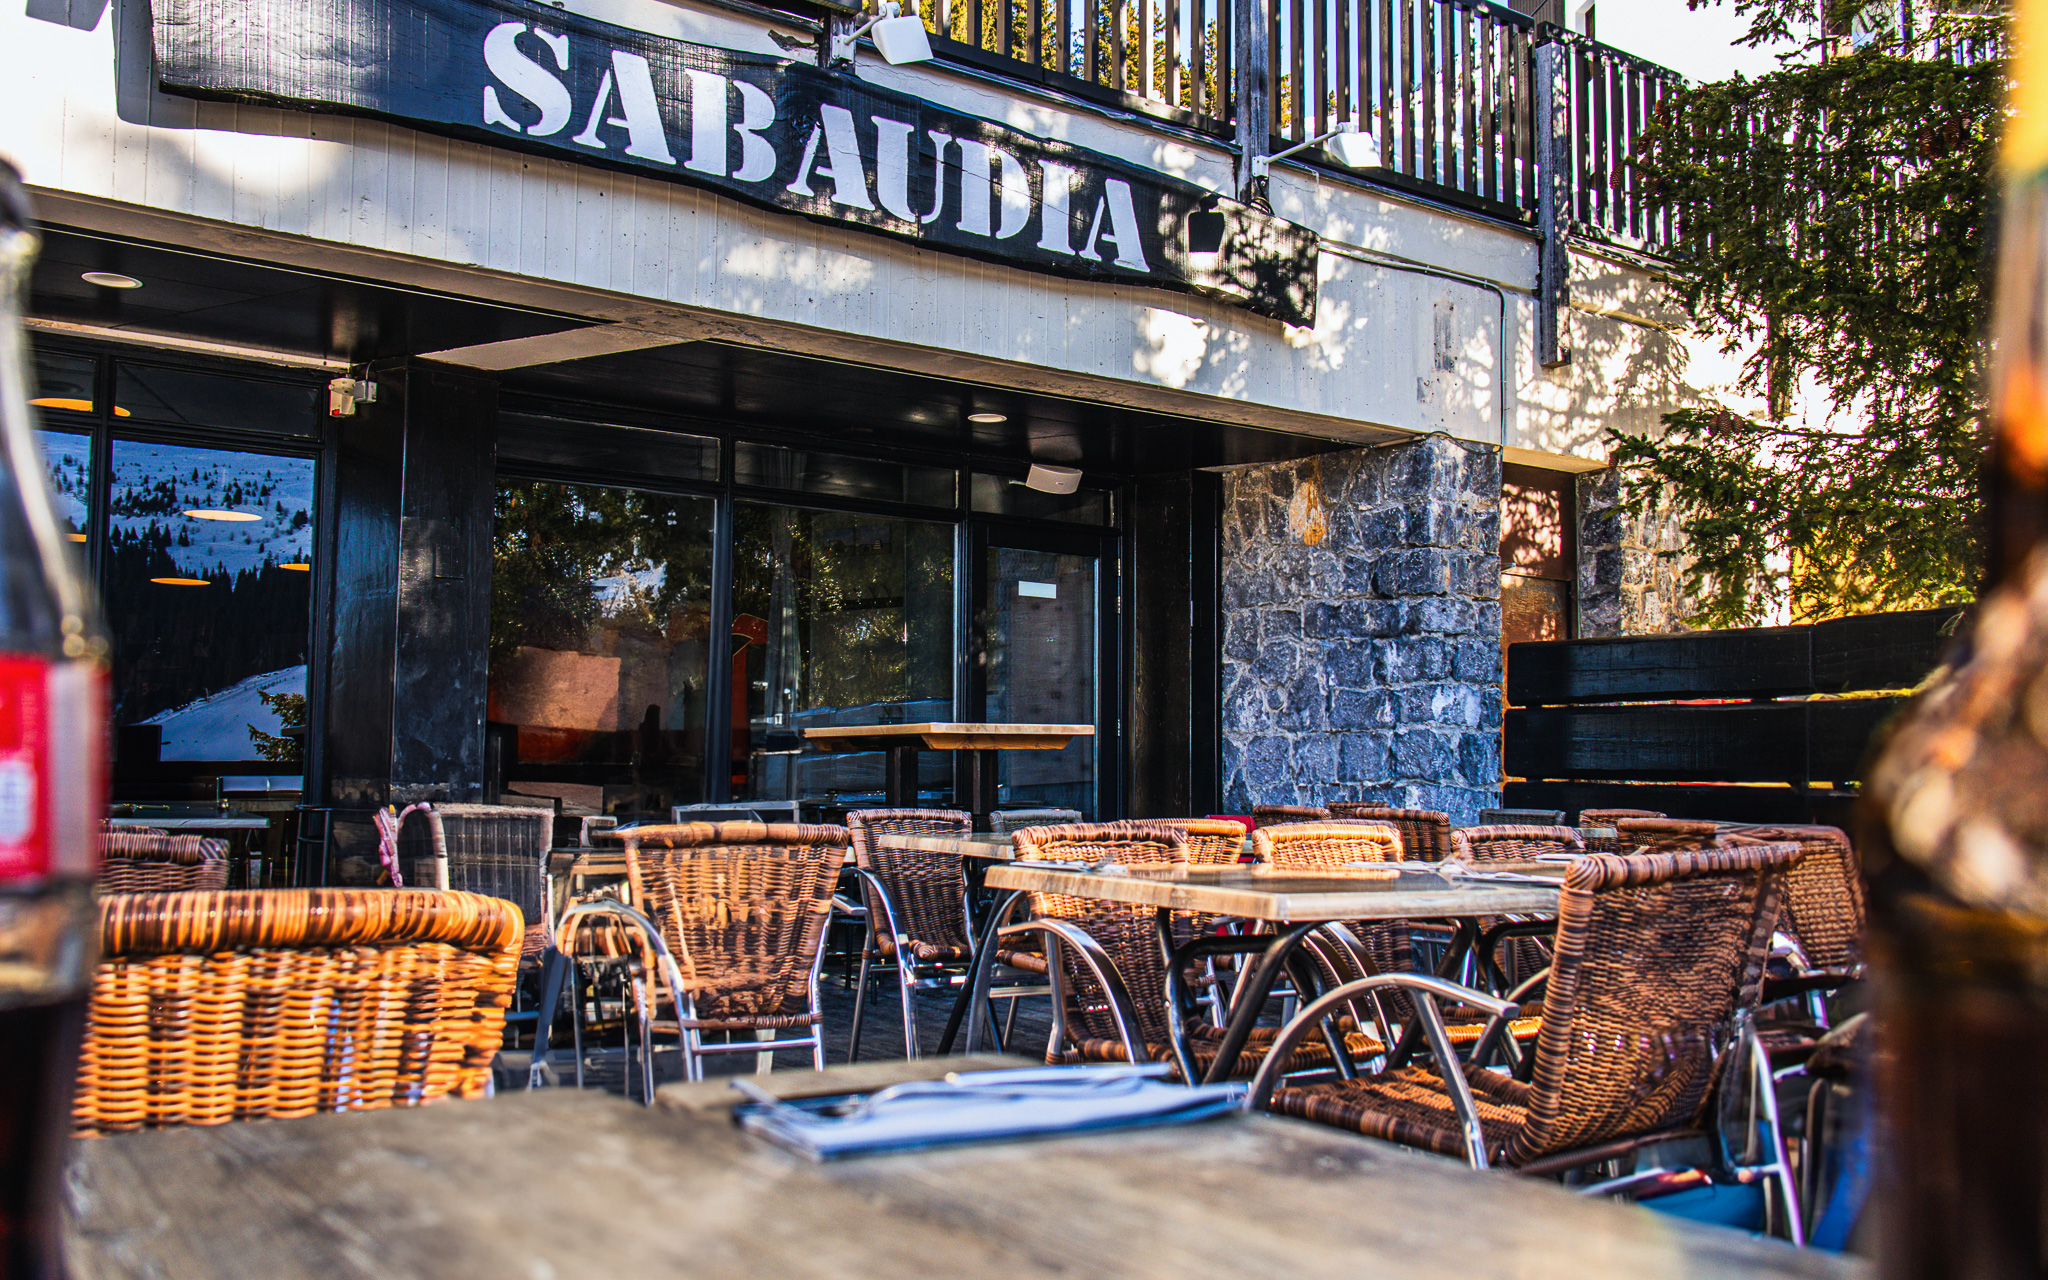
[(1296, 903), (981, 742), (196, 819), (565, 1184)]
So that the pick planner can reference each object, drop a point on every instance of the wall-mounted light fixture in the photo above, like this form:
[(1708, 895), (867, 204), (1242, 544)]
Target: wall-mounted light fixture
[(344, 394), (1050, 479), (898, 38), (1354, 149)]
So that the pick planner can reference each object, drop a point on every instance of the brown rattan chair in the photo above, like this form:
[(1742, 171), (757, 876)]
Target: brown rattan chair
[(1425, 833), (1608, 817), (498, 850), (742, 909), (1663, 835), (1279, 815), (1110, 982), (1823, 894), (1005, 822), (218, 1005), (141, 862), (1654, 956), (1514, 844), (1332, 846), (916, 910)]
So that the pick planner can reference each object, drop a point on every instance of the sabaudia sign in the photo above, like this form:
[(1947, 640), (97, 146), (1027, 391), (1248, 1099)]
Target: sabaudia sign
[(785, 135)]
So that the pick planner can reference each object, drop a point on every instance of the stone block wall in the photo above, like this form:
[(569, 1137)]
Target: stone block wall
[(1626, 588), (1361, 629)]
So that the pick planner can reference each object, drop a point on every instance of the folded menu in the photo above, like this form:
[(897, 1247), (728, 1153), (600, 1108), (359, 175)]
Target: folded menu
[(980, 1106)]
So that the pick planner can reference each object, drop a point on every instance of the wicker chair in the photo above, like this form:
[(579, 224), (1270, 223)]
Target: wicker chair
[(1664, 835), (1513, 843), (497, 850), (1823, 894), (1425, 833), (138, 862), (1608, 817), (1331, 846), (1655, 954), (916, 910), (1109, 985), (742, 907), (1521, 817), (221, 1005), (1279, 815), (1005, 822)]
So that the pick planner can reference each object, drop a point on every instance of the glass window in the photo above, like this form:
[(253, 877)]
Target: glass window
[(66, 382), (208, 589), (631, 451), (1039, 627), (217, 400), (770, 467), (600, 629), (838, 618), (1005, 496), (67, 463)]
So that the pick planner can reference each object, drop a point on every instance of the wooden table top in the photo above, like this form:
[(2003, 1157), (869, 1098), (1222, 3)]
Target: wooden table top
[(943, 736), (564, 1184), (230, 821), (1287, 897), (981, 844)]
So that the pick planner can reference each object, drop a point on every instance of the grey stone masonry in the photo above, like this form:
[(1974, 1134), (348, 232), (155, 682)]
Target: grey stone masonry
[(1626, 587), (1361, 629)]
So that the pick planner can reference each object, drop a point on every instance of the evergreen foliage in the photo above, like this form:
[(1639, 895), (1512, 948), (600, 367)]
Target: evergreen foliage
[(1835, 220)]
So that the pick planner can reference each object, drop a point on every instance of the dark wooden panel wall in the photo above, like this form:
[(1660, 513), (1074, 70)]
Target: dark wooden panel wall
[(1614, 722)]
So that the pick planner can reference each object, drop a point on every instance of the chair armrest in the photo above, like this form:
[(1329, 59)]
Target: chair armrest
[(1425, 990), (1121, 1010)]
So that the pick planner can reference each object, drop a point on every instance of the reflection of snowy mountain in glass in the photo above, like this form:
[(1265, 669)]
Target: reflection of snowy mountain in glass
[(204, 609), (156, 484), (67, 460), (216, 727)]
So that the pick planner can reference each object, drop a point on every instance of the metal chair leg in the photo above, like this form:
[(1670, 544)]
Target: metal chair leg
[(906, 991), (860, 1008)]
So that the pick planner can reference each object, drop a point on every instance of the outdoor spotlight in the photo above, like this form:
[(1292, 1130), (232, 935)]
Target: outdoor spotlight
[(1047, 479), (898, 37), (1354, 149)]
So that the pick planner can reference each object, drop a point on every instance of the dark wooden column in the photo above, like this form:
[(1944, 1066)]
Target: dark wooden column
[(415, 476), (1171, 731)]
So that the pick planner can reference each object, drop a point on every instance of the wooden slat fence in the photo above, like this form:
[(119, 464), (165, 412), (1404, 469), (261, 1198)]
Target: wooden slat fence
[(1446, 87), (1711, 724)]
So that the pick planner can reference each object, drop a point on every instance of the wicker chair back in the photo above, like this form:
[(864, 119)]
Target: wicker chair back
[(1004, 822), (1521, 818), (927, 890), (1513, 843), (1608, 817), (743, 906), (219, 1005), (1664, 835), (1425, 833), (1823, 893), (1653, 955), (497, 850), (1127, 933), (1279, 815), (1328, 846), (139, 862), (1212, 842)]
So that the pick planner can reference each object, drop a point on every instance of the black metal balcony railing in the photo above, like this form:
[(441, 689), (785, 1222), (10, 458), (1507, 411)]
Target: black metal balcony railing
[(1446, 87)]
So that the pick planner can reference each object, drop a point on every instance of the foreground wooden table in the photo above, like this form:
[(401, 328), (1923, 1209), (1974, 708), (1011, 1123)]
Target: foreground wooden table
[(560, 1185), (979, 741)]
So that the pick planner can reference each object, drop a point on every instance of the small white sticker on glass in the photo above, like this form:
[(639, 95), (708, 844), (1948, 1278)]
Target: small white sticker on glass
[(1039, 590)]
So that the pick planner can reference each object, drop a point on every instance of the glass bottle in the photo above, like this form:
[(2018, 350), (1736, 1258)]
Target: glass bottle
[(52, 795)]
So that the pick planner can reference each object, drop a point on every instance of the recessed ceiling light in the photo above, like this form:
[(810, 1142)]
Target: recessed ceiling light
[(110, 280), (183, 582), (988, 419), (297, 565), (207, 514)]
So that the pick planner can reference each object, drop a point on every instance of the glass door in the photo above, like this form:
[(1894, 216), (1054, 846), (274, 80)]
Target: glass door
[(1042, 652)]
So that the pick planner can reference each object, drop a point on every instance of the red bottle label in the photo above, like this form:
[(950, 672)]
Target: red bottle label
[(52, 770)]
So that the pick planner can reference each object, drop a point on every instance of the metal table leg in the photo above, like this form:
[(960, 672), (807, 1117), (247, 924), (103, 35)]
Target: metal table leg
[(1251, 998), (972, 1003)]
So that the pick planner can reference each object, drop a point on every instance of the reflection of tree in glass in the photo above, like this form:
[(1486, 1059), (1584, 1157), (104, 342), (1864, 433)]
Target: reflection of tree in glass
[(866, 600), (568, 560)]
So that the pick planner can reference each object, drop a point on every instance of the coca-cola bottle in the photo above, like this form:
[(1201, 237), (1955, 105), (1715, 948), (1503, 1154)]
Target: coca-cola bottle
[(52, 795)]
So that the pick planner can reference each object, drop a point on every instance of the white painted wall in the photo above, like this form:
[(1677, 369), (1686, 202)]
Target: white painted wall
[(106, 151)]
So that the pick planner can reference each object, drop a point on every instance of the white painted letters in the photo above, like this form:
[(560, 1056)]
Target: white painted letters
[(757, 154), (645, 137), (1055, 220), (527, 78), (1122, 230), (976, 161), (940, 141), (842, 149), (707, 122), (892, 167)]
